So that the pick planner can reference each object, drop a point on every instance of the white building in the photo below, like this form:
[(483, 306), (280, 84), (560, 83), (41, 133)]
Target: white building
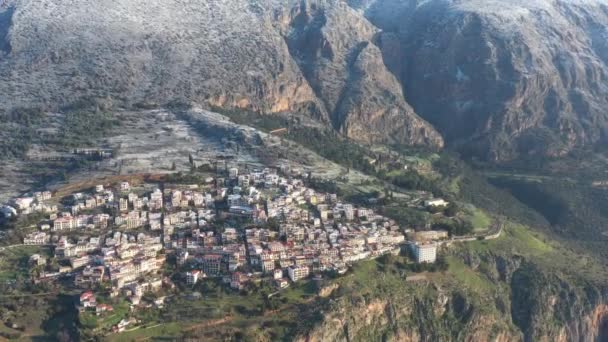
[(234, 200), (36, 239), (156, 200), (23, 203), (192, 277), (233, 172), (298, 272), (123, 204), (125, 186), (424, 253), (437, 202)]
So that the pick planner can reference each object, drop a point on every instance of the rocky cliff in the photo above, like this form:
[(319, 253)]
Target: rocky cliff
[(336, 50), (505, 78), (502, 299)]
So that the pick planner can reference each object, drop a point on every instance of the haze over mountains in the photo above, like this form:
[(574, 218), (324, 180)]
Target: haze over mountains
[(496, 78)]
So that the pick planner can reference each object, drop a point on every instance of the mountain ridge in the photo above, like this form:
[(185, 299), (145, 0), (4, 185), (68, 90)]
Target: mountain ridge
[(378, 71)]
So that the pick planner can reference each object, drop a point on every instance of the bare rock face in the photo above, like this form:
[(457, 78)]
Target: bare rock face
[(374, 109), (506, 78), (335, 48)]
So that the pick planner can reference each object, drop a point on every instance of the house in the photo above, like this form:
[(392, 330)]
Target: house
[(282, 283), (37, 260), (78, 262), (238, 280), (86, 300), (64, 223), (23, 203), (122, 325), (123, 204), (101, 308), (160, 301), (90, 275), (42, 196), (125, 186), (234, 200), (233, 172), (430, 235), (182, 257), (212, 264), (278, 274)]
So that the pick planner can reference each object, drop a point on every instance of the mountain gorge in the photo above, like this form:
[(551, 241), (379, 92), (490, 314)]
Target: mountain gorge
[(496, 79)]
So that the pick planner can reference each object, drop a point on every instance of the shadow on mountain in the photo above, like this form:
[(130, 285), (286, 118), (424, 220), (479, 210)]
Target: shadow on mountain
[(6, 20)]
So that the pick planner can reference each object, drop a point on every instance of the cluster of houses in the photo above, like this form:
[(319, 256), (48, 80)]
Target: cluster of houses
[(278, 228), (25, 205), (313, 232)]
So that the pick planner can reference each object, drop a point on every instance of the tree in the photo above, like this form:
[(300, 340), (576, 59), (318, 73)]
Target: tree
[(191, 159), (451, 210), (173, 166)]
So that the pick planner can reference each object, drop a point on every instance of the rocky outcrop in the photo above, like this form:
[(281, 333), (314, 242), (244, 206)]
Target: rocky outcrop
[(545, 306), (526, 302), (374, 109), (431, 315), (335, 49)]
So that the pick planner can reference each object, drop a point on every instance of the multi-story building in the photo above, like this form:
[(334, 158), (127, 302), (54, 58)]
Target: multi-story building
[(212, 264), (125, 186), (63, 223), (424, 253), (78, 262), (298, 272), (36, 239), (192, 277), (123, 204), (156, 200)]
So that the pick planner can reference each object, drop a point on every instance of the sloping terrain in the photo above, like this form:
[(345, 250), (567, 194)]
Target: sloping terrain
[(498, 79), (220, 53)]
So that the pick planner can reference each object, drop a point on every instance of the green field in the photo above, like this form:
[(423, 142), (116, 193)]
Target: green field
[(480, 220), (467, 277)]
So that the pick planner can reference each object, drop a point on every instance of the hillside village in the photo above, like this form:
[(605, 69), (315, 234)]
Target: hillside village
[(238, 227)]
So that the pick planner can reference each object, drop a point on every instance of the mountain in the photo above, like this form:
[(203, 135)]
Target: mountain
[(495, 78), (222, 53), (505, 78)]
